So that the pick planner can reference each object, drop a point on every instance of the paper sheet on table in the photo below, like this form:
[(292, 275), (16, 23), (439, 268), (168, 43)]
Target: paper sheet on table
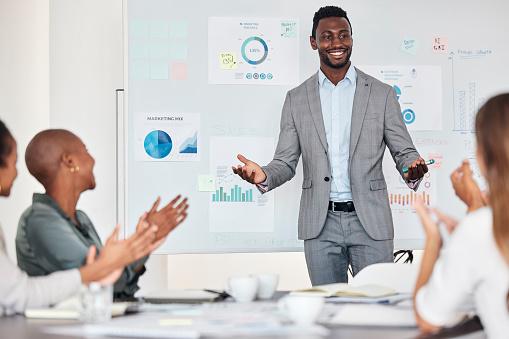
[(388, 300), (69, 310), (374, 315)]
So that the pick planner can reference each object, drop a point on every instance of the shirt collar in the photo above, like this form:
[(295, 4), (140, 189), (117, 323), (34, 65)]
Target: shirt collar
[(49, 201), (83, 226), (351, 76)]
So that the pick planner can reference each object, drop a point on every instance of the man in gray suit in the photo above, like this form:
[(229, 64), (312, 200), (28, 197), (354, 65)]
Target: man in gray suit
[(340, 120)]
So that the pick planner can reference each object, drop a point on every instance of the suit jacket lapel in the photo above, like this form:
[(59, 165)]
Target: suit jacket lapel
[(360, 105), (316, 108)]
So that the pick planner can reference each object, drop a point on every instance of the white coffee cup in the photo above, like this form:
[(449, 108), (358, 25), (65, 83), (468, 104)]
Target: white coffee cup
[(243, 288), (267, 285), (302, 310)]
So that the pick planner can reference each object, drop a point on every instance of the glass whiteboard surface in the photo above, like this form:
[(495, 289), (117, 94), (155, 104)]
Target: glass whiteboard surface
[(206, 80)]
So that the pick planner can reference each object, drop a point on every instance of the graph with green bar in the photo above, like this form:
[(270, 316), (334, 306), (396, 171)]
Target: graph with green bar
[(235, 195)]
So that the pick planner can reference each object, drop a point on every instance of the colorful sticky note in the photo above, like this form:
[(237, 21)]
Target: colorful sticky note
[(139, 70), (228, 60), (206, 183), (159, 50), (138, 50), (178, 29), (178, 71), (288, 29), (139, 29), (409, 46), (440, 45), (178, 51), (159, 30), (159, 70)]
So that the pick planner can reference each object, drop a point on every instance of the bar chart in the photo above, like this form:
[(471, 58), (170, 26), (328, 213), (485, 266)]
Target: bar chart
[(234, 194), (398, 199)]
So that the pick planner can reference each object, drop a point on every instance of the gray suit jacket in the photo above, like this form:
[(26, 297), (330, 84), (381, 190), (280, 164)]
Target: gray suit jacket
[(376, 123)]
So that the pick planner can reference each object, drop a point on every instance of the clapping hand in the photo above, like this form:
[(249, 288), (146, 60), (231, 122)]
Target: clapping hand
[(449, 222), (116, 254), (168, 217), (466, 187)]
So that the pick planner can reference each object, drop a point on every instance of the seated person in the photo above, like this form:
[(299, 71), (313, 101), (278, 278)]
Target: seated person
[(473, 269), (18, 291), (52, 234)]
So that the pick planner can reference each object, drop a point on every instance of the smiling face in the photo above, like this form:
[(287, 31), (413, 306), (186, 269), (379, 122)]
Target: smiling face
[(334, 42)]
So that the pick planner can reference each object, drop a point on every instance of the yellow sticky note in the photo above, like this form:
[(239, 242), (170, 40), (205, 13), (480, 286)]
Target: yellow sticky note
[(228, 60), (206, 183), (175, 322)]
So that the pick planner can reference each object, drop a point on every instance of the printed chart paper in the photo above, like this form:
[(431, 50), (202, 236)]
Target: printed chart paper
[(236, 205), (167, 137), (419, 92), (253, 51)]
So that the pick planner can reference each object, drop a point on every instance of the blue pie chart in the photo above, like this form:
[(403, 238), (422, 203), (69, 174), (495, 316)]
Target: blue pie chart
[(158, 144)]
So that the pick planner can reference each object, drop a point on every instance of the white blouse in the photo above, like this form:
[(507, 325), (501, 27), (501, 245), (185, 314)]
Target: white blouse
[(470, 271), (18, 291)]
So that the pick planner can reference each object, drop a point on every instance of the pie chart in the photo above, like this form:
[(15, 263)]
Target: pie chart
[(158, 144)]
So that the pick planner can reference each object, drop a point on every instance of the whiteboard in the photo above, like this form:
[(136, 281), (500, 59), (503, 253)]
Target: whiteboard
[(206, 80)]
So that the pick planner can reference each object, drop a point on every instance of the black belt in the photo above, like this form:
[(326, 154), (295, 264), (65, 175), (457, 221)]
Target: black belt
[(344, 206)]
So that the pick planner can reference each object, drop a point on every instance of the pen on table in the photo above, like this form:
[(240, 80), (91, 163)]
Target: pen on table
[(221, 295), (429, 162)]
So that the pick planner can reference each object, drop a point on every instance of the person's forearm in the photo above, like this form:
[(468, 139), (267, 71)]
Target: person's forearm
[(475, 204), (429, 258), (95, 271), (18, 291)]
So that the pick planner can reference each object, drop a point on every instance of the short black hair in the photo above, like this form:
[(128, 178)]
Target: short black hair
[(327, 12), (6, 144)]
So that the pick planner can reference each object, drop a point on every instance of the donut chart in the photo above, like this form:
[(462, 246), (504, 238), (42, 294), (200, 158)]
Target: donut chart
[(408, 116), (254, 50)]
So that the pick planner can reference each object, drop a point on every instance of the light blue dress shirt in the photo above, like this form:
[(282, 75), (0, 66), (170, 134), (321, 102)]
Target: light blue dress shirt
[(337, 104)]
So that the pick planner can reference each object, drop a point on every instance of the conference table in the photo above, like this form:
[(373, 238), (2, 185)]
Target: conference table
[(22, 328)]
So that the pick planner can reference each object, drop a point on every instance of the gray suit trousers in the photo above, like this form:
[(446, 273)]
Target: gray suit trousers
[(343, 242)]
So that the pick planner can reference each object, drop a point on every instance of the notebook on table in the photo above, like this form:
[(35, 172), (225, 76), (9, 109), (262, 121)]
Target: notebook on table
[(346, 290)]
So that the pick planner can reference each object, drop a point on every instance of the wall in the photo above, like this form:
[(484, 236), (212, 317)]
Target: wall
[(24, 94)]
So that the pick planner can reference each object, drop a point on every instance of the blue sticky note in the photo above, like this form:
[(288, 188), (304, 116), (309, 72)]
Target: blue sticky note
[(139, 29), (178, 51), (159, 50), (410, 46), (139, 70), (159, 71), (138, 50), (158, 30), (178, 29)]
